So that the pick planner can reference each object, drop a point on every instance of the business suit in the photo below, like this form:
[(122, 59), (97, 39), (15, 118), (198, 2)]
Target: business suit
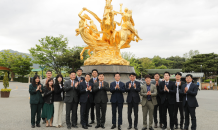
[(36, 102), (117, 100), (86, 98), (78, 80), (148, 104), (190, 103), (133, 100), (92, 113), (179, 106), (100, 101), (168, 101), (71, 100), (158, 98)]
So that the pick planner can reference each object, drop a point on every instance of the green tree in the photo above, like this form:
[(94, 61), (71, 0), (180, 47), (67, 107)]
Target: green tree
[(71, 58), (48, 51), (209, 64), (177, 61), (5, 81), (127, 55), (17, 62), (147, 63), (190, 54)]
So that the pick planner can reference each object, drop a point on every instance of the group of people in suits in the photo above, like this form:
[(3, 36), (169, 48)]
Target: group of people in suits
[(91, 93), (172, 97)]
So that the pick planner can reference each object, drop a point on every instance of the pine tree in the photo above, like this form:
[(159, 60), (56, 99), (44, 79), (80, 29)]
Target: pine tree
[(5, 81)]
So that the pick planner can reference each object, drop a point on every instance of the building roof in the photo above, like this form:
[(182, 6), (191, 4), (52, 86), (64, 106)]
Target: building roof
[(36, 70), (195, 75), (161, 71)]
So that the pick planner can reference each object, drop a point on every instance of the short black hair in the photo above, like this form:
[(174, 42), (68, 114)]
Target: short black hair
[(116, 74), (72, 72), (100, 74), (156, 73), (88, 74), (147, 76), (132, 74), (79, 69), (167, 73), (178, 73), (189, 75), (48, 71), (95, 70)]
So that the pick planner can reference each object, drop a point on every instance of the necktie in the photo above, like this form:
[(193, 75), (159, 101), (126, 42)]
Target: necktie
[(87, 84), (79, 78), (101, 84)]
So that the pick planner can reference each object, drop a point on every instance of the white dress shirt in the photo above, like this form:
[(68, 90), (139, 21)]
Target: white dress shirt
[(177, 92), (188, 85)]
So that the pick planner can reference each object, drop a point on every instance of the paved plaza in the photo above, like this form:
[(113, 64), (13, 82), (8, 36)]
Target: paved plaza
[(15, 111)]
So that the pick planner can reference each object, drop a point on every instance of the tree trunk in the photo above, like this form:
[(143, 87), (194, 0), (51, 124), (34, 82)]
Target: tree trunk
[(12, 76)]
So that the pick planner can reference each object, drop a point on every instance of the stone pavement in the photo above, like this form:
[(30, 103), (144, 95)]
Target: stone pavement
[(15, 111)]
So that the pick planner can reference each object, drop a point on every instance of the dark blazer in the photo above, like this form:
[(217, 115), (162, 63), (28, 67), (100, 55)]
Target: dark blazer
[(84, 94), (91, 80), (35, 96), (81, 78), (191, 95), (133, 93), (57, 93), (180, 95), (101, 94), (117, 94), (71, 92), (48, 95), (169, 95)]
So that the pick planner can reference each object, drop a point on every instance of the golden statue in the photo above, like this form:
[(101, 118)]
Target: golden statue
[(105, 50)]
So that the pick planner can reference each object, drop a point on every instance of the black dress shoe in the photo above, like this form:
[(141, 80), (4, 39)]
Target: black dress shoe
[(89, 125), (176, 127), (161, 125), (135, 128), (68, 127), (74, 126), (181, 127), (130, 127), (144, 128), (172, 129), (102, 126), (114, 126), (33, 126), (97, 126), (84, 127), (151, 128), (92, 122), (38, 125), (119, 127)]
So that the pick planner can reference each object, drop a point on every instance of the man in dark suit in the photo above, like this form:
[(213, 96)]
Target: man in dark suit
[(93, 80), (178, 105), (156, 82), (100, 89), (168, 90), (86, 99), (71, 99), (189, 92), (133, 88), (117, 88), (79, 79)]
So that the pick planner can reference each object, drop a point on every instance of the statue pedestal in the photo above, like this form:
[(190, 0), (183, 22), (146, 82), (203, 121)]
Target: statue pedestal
[(110, 70)]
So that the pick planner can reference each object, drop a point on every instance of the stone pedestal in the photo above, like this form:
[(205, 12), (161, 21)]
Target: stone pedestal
[(110, 70)]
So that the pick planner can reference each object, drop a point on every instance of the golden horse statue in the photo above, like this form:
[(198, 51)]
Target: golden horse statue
[(105, 50)]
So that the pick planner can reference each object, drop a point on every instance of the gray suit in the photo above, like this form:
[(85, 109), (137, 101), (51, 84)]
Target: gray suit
[(148, 106), (71, 100)]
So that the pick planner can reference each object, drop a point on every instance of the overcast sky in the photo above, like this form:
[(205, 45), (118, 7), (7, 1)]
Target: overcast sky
[(167, 27)]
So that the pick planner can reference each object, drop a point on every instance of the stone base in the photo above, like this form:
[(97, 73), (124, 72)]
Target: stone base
[(110, 70)]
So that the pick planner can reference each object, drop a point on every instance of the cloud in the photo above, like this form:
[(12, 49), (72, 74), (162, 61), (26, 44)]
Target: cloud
[(168, 28)]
